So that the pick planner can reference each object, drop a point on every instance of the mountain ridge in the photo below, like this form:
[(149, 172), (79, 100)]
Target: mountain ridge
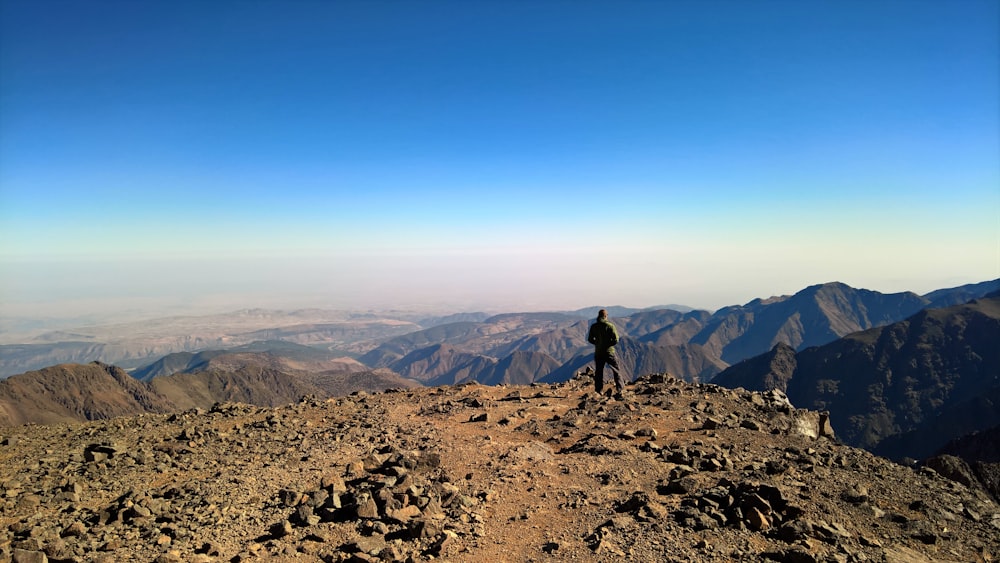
[(76, 392), (889, 380), (137, 344), (815, 315)]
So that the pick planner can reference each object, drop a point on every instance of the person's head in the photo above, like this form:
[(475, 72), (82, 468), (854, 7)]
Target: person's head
[(602, 314)]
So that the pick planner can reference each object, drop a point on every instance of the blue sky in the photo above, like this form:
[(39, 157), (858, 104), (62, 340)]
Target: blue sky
[(531, 155)]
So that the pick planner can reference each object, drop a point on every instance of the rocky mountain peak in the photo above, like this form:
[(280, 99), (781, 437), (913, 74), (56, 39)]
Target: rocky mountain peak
[(671, 472)]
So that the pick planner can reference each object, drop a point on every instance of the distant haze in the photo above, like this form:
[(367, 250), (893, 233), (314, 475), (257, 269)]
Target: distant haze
[(144, 287), (161, 158)]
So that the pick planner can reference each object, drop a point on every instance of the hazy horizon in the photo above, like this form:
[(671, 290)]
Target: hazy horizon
[(103, 309), (161, 157)]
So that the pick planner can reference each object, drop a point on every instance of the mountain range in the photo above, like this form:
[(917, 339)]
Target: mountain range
[(136, 344), (694, 345), (816, 315), (901, 389), (901, 374)]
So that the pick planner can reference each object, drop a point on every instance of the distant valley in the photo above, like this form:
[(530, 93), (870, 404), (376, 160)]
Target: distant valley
[(135, 344)]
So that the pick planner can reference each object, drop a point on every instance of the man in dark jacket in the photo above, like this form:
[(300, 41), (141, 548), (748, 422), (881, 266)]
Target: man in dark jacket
[(604, 337)]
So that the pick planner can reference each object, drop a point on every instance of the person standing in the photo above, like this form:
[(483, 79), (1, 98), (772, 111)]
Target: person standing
[(604, 336)]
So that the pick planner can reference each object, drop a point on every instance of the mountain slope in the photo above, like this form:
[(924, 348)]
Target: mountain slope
[(981, 451), (342, 384), (74, 392), (771, 370), (954, 420), (519, 368), (21, 358), (813, 316), (398, 347), (496, 336), (961, 294), (681, 331), (279, 355), (441, 364), (561, 343), (256, 385), (689, 362), (174, 363), (891, 380)]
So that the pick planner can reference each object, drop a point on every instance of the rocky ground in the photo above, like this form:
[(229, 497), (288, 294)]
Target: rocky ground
[(671, 472)]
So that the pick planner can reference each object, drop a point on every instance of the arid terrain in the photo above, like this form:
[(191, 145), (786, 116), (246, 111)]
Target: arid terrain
[(672, 472)]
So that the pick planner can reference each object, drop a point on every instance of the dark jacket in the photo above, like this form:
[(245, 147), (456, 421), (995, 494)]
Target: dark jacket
[(604, 337)]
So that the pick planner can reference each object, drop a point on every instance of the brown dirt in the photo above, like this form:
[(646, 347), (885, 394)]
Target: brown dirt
[(511, 474)]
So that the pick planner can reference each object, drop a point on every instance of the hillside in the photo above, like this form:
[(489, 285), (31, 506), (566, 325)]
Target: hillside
[(676, 472), (979, 453), (813, 316), (276, 353), (74, 392), (953, 420), (519, 368), (962, 294), (932, 375), (441, 364), (495, 336)]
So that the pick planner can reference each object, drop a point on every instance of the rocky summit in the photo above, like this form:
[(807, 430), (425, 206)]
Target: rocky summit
[(671, 471)]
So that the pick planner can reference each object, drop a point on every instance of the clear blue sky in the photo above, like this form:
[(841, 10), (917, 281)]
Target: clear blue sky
[(530, 155)]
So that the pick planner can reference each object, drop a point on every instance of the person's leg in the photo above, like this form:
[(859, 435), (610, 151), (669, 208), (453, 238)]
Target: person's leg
[(619, 384), (599, 373)]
